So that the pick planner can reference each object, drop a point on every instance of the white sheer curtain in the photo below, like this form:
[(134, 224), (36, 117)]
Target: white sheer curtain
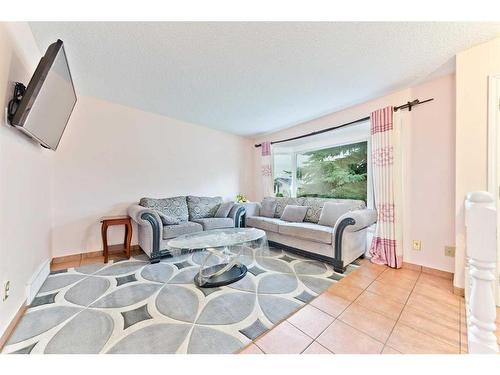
[(387, 243)]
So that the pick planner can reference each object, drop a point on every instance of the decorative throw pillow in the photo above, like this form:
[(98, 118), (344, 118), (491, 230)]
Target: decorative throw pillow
[(202, 207), (282, 202), (332, 211), (167, 219), (268, 206), (224, 209), (315, 207), (174, 206), (294, 214)]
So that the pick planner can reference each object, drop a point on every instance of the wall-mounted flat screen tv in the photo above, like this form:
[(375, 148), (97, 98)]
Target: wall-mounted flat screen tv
[(49, 99)]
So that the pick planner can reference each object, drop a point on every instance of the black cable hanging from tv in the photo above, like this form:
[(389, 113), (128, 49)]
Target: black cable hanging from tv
[(19, 90), (408, 105)]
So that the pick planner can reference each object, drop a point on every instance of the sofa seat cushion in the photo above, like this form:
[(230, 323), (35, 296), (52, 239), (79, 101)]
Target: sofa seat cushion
[(264, 223), (307, 231), (186, 227), (215, 222)]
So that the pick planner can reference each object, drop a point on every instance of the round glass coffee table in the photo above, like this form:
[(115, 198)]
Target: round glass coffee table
[(223, 247)]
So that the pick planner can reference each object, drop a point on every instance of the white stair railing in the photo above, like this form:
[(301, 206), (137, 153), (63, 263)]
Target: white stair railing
[(481, 232)]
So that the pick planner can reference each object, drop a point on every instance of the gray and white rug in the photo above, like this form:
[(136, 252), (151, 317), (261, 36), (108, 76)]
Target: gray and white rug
[(133, 306)]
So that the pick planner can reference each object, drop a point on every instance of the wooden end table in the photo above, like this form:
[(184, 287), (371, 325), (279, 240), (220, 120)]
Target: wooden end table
[(116, 220)]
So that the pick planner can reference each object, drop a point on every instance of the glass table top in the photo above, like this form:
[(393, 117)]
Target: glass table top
[(216, 238)]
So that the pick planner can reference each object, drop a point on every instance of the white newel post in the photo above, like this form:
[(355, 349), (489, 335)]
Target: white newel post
[(480, 222)]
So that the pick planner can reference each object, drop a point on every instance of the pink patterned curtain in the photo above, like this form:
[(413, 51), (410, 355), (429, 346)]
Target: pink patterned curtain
[(267, 172), (386, 247)]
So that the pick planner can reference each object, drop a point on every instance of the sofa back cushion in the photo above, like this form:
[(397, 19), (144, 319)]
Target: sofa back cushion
[(294, 214), (268, 207), (332, 211), (316, 205), (224, 209), (282, 202), (168, 219), (202, 207), (175, 207)]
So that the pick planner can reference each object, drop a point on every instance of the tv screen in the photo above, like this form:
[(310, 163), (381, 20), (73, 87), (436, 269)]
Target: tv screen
[(49, 99)]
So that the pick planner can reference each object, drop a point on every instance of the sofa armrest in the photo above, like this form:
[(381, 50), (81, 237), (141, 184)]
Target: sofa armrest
[(136, 212), (252, 208), (352, 221), (236, 213), (361, 219), (153, 226)]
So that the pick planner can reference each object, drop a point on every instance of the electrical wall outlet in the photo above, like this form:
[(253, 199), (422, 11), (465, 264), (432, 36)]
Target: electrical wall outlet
[(449, 251), (417, 245), (6, 289)]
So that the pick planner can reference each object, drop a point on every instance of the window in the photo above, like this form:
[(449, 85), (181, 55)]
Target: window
[(334, 172), (328, 172), (282, 170)]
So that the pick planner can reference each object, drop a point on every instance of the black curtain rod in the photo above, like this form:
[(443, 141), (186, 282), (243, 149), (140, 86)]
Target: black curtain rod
[(408, 105)]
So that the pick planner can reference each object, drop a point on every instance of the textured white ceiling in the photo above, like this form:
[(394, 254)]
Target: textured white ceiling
[(254, 78)]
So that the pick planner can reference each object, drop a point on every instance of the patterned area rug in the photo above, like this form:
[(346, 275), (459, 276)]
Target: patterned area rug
[(133, 306)]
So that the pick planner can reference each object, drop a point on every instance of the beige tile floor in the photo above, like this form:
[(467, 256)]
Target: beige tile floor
[(375, 309)]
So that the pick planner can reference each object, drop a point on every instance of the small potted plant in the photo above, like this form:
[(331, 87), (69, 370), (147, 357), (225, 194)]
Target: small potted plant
[(241, 198)]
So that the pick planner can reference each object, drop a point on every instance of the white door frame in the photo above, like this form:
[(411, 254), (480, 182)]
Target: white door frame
[(494, 159)]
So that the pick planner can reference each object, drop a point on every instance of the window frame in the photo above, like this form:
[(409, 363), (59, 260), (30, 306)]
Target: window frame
[(321, 145), (293, 169)]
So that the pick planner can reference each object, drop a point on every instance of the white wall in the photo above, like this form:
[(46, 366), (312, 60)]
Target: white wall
[(431, 174), (111, 155), (428, 136), (25, 172), (473, 68)]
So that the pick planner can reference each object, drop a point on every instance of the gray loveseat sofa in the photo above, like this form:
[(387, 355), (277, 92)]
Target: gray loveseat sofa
[(193, 214), (339, 244)]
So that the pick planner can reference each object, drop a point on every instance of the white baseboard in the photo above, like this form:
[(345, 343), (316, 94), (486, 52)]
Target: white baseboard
[(36, 281)]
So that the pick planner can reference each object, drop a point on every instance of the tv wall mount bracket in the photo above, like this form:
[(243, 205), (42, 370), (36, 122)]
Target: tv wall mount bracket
[(19, 90)]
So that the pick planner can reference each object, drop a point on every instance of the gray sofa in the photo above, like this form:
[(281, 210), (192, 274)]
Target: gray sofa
[(194, 214), (339, 244)]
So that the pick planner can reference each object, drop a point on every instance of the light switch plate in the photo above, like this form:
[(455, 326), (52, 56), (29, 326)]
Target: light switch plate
[(449, 251)]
